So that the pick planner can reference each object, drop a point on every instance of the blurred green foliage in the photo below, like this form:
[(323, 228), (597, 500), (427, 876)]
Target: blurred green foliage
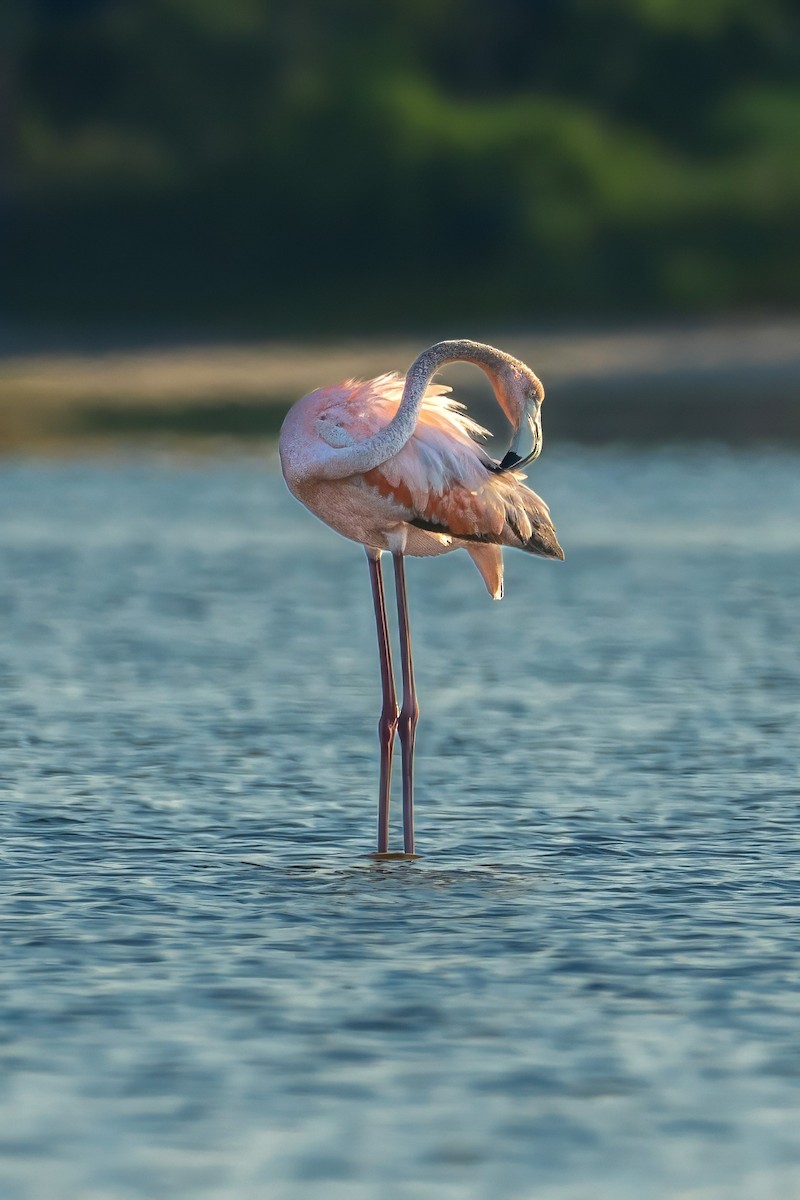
[(333, 163)]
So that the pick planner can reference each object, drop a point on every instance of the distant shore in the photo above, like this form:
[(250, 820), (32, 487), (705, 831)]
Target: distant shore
[(734, 380)]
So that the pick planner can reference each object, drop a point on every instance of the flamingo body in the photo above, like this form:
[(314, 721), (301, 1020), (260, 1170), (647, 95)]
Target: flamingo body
[(439, 492)]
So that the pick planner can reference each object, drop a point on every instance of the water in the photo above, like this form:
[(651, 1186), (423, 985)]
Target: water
[(588, 986)]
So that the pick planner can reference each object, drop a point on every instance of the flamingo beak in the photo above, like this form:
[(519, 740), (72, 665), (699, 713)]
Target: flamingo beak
[(527, 443)]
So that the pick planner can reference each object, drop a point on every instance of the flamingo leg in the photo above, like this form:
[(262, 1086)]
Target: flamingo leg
[(409, 711), (389, 711)]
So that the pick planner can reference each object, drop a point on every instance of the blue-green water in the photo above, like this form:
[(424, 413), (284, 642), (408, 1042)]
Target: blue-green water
[(588, 986)]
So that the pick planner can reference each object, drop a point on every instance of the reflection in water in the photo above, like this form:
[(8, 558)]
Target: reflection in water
[(587, 985)]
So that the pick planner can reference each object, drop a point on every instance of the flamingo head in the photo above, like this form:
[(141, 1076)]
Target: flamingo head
[(520, 394)]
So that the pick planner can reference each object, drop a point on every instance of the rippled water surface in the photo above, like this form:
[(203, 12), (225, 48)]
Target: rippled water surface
[(589, 983)]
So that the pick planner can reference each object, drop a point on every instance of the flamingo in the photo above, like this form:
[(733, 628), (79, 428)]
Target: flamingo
[(394, 464)]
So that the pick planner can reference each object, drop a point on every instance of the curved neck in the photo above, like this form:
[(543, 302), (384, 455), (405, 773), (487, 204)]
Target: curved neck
[(508, 378)]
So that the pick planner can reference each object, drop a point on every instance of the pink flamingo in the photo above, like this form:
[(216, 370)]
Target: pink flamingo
[(393, 464)]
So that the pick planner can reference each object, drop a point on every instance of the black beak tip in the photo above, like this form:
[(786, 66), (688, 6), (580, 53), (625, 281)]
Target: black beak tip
[(510, 461)]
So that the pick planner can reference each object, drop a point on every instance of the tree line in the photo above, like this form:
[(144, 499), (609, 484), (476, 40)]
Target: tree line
[(327, 164)]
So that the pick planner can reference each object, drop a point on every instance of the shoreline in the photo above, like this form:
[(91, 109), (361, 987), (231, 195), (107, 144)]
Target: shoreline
[(727, 379)]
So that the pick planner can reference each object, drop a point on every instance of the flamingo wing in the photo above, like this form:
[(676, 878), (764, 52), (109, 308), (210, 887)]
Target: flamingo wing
[(446, 483)]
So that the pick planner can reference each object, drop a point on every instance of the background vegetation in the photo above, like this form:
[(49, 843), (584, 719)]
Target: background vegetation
[(335, 164)]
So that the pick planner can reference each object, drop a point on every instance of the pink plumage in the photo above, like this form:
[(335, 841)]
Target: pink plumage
[(438, 493)]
